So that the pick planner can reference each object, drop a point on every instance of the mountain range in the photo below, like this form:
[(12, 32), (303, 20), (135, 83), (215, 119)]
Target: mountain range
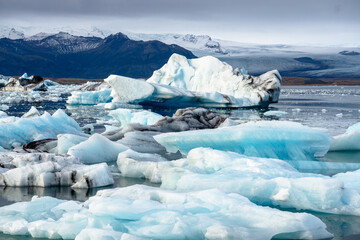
[(64, 55), (90, 55)]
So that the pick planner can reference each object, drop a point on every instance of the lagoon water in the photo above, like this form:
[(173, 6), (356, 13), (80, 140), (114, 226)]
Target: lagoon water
[(332, 107)]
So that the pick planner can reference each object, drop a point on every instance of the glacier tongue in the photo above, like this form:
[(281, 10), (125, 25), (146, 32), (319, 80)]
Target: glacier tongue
[(269, 139), (152, 213)]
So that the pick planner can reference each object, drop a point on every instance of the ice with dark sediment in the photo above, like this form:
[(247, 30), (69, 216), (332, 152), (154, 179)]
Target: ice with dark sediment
[(22, 169)]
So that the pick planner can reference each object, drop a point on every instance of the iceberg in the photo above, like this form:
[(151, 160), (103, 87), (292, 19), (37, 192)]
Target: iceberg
[(269, 139), (46, 170), (66, 141), (97, 149), (141, 212), (349, 141), (265, 181), (89, 97), (144, 117), (201, 81), (33, 112), (274, 113), (26, 130)]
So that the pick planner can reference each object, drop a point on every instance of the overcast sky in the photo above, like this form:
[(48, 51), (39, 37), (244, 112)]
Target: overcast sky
[(318, 22)]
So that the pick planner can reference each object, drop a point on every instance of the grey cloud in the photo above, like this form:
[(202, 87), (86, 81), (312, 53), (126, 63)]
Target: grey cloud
[(245, 10)]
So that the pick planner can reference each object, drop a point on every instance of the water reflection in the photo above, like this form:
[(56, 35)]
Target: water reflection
[(10, 195)]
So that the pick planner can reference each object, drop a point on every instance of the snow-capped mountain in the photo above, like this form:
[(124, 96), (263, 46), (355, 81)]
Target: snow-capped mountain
[(200, 45), (38, 33), (11, 33), (302, 61), (66, 43)]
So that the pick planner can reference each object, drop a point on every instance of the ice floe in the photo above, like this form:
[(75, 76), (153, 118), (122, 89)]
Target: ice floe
[(264, 181), (152, 213), (272, 139)]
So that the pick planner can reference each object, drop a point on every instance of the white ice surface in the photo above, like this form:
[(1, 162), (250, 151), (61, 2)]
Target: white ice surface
[(144, 117), (205, 80), (66, 141), (264, 181), (97, 149), (33, 112), (89, 97), (153, 213), (272, 139), (209, 74), (349, 141)]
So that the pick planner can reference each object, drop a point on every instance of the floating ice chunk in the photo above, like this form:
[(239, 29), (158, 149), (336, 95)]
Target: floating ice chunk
[(228, 123), (272, 139), (88, 128), (33, 112), (89, 97), (264, 181), (124, 89), (96, 175), (66, 141), (125, 116), (97, 149), (339, 115), (350, 179), (4, 107), (349, 141), (144, 165), (45, 170), (275, 113), (24, 76), (209, 74), (3, 114), (26, 130), (109, 128), (202, 81), (153, 213)]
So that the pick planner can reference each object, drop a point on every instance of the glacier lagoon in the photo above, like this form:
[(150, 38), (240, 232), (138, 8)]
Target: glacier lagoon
[(332, 107), (109, 141)]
